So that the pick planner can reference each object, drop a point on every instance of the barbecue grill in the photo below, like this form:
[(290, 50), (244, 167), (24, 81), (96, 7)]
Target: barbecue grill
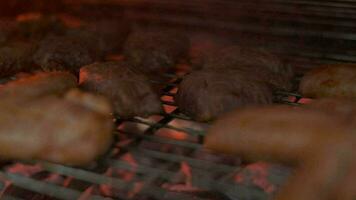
[(161, 157)]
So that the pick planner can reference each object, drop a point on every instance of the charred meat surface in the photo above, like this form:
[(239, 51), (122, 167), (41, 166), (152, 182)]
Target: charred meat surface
[(155, 51), (260, 63), (30, 87), (206, 94), (56, 129), (129, 91), (63, 53), (16, 57), (337, 80)]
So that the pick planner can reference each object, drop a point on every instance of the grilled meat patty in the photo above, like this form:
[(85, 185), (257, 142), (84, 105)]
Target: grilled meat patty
[(64, 53), (206, 94), (155, 51), (128, 90), (16, 57), (260, 63), (336, 80)]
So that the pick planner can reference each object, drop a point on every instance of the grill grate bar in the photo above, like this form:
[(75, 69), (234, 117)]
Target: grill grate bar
[(202, 164), (164, 140), (192, 132), (44, 188), (8, 197)]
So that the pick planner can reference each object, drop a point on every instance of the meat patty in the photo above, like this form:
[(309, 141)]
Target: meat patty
[(206, 94), (112, 33), (155, 51), (41, 84), (337, 80), (16, 57), (129, 91), (7, 29), (258, 62), (55, 129), (64, 53)]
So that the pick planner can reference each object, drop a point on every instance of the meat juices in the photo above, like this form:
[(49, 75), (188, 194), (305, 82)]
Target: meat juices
[(16, 57), (56, 129), (63, 53), (155, 51), (337, 80), (206, 94), (129, 91)]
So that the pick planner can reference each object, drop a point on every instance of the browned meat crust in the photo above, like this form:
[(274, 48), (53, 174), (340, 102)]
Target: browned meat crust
[(63, 53), (206, 94), (129, 91), (16, 57), (259, 63), (155, 51), (337, 80)]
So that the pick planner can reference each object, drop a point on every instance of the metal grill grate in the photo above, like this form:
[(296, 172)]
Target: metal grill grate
[(151, 175)]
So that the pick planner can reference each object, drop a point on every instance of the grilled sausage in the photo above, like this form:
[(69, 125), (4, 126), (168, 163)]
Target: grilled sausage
[(128, 90), (41, 84), (277, 133), (56, 129), (330, 81), (321, 171)]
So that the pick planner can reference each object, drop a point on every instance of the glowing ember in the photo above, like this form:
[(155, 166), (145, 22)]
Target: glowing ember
[(106, 189), (263, 175), (125, 174), (305, 101), (25, 170), (169, 133), (185, 169), (167, 98), (169, 109), (87, 193), (137, 188)]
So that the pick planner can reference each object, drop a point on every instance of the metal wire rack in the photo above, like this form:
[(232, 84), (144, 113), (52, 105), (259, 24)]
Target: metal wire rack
[(150, 167)]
